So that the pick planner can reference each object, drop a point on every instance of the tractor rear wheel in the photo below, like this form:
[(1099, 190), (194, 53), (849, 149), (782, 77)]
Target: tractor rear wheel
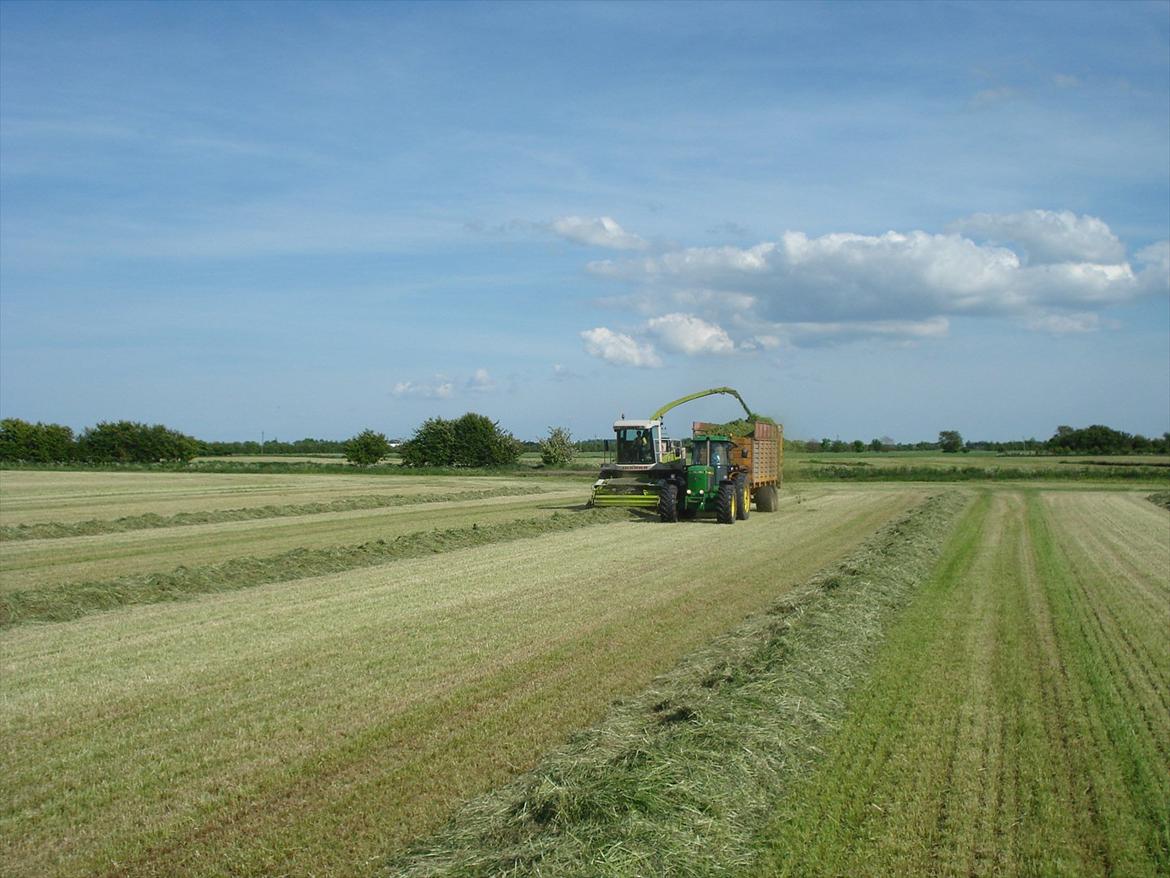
[(743, 498), (668, 503), (725, 503)]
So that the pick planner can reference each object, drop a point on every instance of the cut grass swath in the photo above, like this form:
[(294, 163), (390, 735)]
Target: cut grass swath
[(57, 530), (63, 602)]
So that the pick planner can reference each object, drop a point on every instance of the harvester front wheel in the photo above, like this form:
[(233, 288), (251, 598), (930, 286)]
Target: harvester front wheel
[(668, 503), (725, 503), (743, 497)]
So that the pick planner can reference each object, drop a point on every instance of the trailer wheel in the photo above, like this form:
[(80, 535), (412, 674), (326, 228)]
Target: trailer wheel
[(668, 503), (743, 498), (725, 503), (767, 499)]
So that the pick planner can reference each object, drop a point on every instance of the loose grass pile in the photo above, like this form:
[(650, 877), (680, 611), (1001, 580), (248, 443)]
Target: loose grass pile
[(1160, 498), (63, 602), (149, 521), (677, 780)]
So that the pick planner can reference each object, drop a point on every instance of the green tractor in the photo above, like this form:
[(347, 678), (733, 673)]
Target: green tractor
[(711, 483)]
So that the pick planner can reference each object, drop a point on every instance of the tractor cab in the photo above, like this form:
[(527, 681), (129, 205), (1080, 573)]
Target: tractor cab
[(714, 453)]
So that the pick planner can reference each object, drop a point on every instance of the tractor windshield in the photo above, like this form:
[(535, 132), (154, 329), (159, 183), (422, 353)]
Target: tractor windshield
[(702, 447), (635, 446)]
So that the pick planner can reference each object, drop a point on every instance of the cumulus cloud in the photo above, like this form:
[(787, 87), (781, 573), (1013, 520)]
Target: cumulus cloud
[(1052, 271), (1060, 261), (481, 382), (440, 388), (1154, 276), (600, 232), (1046, 236), (619, 348), (690, 335), (444, 387)]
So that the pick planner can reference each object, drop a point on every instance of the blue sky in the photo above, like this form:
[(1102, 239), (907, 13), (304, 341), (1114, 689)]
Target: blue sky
[(305, 219)]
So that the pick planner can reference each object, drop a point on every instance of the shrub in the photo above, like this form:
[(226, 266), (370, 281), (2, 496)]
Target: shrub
[(433, 444), (366, 448), (558, 449), (472, 440)]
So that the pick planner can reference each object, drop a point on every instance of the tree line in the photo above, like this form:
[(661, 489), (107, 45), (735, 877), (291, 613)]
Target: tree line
[(473, 440), (1096, 439)]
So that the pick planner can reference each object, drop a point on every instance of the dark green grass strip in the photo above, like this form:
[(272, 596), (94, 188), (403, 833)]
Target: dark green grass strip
[(675, 781), (63, 602), (1160, 498), (1003, 730), (57, 530)]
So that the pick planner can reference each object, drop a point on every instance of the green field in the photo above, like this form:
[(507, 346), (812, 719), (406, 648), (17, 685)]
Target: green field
[(878, 679)]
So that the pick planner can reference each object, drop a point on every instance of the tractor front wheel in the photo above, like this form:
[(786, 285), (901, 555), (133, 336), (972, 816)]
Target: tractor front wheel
[(668, 503), (743, 497), (725, 504)]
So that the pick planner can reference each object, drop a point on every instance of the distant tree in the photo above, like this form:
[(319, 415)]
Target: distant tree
[(838, 446), (366, 448), (433, 444), (131, 442), (36, 443), (858, 446), (812, 446), (826, 444), (558, 448), (950, 441), (1094, 439), (479, 441), (472, 440), (876, 445)]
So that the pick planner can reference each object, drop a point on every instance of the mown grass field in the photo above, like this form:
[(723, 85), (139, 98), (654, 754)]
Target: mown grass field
[(980, 689)]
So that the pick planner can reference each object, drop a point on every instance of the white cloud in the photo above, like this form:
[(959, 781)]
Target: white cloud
[(440, 388), (1062, 324), (1154, 276), (989, 96), (1071, 262), (1047, 236), (481, 382), (897, 330), (691, 335), (619, 349), (600, 232)]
